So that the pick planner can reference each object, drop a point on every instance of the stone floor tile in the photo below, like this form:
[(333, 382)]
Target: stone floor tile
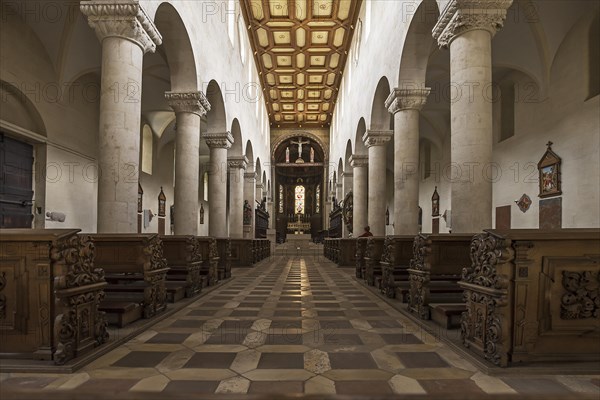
[(191, 387), (358, 387), (236, 384), (287, 387)]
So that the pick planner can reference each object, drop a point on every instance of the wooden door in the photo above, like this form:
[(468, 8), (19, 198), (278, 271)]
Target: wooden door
[(16, 182)]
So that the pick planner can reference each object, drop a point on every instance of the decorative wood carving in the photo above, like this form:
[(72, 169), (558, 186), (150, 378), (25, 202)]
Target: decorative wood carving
[(582, 297), (162, 203), (435, 203)]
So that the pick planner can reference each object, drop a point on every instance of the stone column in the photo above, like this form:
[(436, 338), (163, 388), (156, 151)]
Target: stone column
[(218, 143), (467, 27), (360, 164), (347, 177), (259, 193), (405, 105), (126, 33), (249, 195), (339, 195), (237, 166), (188, 107), (375, 142)]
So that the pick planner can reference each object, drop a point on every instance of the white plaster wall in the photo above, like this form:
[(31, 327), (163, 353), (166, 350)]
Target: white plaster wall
[(560, 114), (71, 188)]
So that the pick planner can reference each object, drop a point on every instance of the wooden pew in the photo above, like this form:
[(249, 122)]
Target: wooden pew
[(241, 252), (50, 291), (373, 253), (184, 258), (327, 248), (533, 296), (210, 255), (346, 252), (361, 247), (224, 250), (395, 261), (136, 271), (435, 270)]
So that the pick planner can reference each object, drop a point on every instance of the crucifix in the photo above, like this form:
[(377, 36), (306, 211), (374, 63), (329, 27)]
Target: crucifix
[(300, 143)]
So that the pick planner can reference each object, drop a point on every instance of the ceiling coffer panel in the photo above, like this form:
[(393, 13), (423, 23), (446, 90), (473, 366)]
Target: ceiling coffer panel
[(300, 47)]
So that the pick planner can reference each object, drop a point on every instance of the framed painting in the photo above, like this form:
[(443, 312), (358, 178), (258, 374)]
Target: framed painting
[(549, 173)]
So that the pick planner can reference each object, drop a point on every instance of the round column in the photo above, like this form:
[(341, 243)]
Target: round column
[(218, 143), (405, 105), (237, 166), (375, 142), (188, 107), (359, 164), (468, 31), (126, 33), (249, 196)]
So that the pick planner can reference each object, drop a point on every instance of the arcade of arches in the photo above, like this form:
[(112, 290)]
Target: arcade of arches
[(274, 132)]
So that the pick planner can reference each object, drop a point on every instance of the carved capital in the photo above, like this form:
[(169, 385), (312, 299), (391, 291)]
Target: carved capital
[(237, 162), (359, 160), (124, 19), (222, 140), (406, 99), (377, 138), (260, 185), (191, 102), (347, 174), (461, 16), (250, 176)]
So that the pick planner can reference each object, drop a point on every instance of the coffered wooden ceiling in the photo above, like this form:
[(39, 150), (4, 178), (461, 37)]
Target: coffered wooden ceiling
[(300, 47)]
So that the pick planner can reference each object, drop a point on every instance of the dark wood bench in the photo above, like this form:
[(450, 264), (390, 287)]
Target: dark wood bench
[(346, 252), (361, 247), (242, 254), (50, 291), (224, 250), (373, 253), (395, 261), (327, 248), (184, 258), (210, 254), (136, 271), (435, 270), (532, 296)]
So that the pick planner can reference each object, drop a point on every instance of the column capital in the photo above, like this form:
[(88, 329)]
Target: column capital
[(122, 18), (460, 16), (359, 160), (222, 140), (188, 102), (377, 138), (237, 162), (260, 185), (347, 174), (249, 176), (339, 185), (406, 99)]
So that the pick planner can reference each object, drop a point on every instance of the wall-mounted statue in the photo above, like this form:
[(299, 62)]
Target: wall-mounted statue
[(347, 211), (247, 213)]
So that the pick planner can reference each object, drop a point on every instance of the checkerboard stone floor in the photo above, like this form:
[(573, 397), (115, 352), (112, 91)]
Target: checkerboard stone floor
[(293, 325)]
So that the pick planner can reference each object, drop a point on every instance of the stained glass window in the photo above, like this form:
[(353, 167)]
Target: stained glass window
[(318, 195), (280, 199), (299, 201)]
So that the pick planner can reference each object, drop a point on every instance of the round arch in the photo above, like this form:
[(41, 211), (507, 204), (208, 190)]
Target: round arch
[(178, 48)]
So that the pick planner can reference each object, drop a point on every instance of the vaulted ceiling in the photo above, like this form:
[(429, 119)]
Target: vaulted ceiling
[(300, 47)]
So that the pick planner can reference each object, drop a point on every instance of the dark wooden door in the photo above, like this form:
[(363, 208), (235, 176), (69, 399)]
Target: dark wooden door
[(16, 180)]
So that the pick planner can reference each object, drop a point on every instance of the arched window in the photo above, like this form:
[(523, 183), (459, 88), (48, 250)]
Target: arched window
[(594, 59), (147, 149), (299, 200), (230, 11), (318, 200), (205, 186), (280, 199)]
